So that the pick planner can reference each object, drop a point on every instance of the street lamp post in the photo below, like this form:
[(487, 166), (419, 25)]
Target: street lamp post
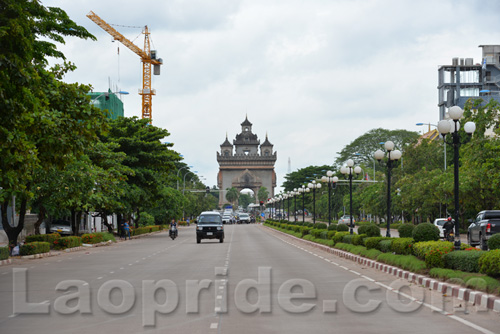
[(332, 183), (445, 127), (313, 185), (179, 172), (295, 193), (392, 156), (289, 196), (303, 190), (348, 170)]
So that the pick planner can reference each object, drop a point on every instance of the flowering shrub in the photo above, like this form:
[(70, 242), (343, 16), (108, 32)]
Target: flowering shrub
[(402, 246), (36, 247), (67, 242), (50, 238), (432, 252), (92, 238)]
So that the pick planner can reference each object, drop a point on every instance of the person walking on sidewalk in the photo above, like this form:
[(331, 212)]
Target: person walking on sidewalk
[(126, 228)]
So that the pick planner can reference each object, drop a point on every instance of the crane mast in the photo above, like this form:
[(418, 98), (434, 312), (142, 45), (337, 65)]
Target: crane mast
[(148, 58)]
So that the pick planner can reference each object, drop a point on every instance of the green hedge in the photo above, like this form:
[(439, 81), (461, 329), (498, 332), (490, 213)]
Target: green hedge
[(348, 238), (432, 252), (4, 253), (385, 245), (321, 226), (470, 280), (330, 234), (92, 238), (406, 230), (407, 262), (464, 260), (67, 242), (358, 239), (342, 228), (50, 238), (36, 247), (339, 236), (489, 263), (402, 246), (494, 242), (425, 232), (370, 230), (332, 227), (372, 242)]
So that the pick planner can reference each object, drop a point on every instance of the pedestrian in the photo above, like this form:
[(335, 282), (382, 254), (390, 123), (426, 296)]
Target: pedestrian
[(122, 229), (187, 221), (126, 228)]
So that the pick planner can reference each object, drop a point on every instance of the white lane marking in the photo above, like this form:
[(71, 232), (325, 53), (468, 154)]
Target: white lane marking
[(214, 325), (344, 267), (219, 297), (13, 315), (354, 272), (470, 324), (100, 277), (368, 278), (122, 268), (217, 309), (111, 272), (84, 284), (130, 264)]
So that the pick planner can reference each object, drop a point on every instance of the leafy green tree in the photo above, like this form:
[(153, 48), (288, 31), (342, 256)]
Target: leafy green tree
[(44, 121), (245, 199), (232, 195), (303, 176), (263, 194)]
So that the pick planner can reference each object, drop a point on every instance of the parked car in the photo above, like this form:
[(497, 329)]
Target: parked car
[(244, 218), (61, 226), (439, 222), (346, 219), (227, 219), (483, 227), (209, 226)]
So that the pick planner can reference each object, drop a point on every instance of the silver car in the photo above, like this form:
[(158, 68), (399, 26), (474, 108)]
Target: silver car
[(346, 219)]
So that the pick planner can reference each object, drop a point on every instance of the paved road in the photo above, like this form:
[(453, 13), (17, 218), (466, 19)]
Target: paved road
[(243, 285)]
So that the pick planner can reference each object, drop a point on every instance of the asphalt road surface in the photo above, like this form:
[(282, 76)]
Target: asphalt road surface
[(257, 281)]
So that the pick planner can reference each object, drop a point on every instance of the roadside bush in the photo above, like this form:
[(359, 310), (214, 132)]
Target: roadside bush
[(339, 236), (50, 238), (425, 232), (324, 235), (432, 252), (370, 230), (67, 242), (489, 263), (332, 227), (406, 230), (372, 242), (342, 228), (348, 238), (406, 262), (36, 247), (385, 245), (330, 234), (92, 238), (321, 226), (402, 246), (370, 253), (304, 230), (471, 280), (463, 260), (358, 239), (315, 232), (494, 241), (4, 253)]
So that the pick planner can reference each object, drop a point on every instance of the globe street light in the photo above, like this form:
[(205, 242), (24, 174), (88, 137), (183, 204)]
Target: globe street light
[(332, 183), (348, 171), (452, 126), (303, 190), (313, 185), (295, 193), (178, 174), (392, 156)]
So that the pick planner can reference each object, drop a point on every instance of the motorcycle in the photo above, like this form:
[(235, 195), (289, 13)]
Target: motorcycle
[(172, 232), (449, 235)]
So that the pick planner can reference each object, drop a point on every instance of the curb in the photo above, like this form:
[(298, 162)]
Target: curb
[(5, 262), (478, 298), (39, 256)]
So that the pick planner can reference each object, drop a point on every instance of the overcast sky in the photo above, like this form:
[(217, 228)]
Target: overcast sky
[(314, 75)]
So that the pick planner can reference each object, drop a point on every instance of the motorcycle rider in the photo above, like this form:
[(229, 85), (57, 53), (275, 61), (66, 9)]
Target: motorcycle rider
[(448, 227), (173, 228)]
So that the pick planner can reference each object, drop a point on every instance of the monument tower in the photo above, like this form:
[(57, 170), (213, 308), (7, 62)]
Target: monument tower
[(246, 163)]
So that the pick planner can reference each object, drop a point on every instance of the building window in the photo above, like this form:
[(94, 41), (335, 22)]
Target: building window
[(226, 153), (247, 152), (246, 129), (266, 153)]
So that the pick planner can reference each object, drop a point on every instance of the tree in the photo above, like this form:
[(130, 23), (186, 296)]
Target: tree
[(232, 195), (245, 199), (304, 175), (263, 194), (44, 121)]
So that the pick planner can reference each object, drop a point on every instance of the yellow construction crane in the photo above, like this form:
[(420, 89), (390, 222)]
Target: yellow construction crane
[(148, 57)]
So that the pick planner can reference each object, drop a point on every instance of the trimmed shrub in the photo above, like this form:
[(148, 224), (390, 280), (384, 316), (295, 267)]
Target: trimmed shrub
[(494, 241), (4, 253), (406, 230), (92, 238), (425, 232), (489, 263), (471, 280), (432, 252), (342, 228), (324, 235), (339, 236), (407, 262), (321, 226), (348, 238), (402, 246), (315, 232), (330, 234), (371, 253), (370, 230), (385, 245), (36, 247), (372, 242), (332, 227), (50, 238), (67, 242), (358, 239), (463, 260), (304, 230)]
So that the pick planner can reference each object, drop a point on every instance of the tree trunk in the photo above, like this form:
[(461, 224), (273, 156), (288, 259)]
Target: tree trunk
[(13, 232), (73, 223), (136, 221), (41, 216), (77, 222), (104, 218)]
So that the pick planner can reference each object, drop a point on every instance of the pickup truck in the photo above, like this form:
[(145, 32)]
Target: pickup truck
[(483, 227)]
